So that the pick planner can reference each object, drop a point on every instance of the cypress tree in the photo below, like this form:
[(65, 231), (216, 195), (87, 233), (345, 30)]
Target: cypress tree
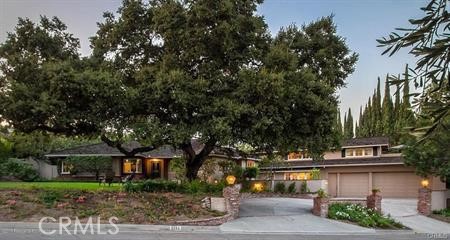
[(348, 126), (388, 110), (378, 111)]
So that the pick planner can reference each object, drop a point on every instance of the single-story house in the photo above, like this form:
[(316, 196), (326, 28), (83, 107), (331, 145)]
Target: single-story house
[(362, 164), (146, 165)]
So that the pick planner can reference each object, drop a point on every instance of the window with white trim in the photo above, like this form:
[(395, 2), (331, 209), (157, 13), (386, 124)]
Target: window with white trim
[(66, 167)]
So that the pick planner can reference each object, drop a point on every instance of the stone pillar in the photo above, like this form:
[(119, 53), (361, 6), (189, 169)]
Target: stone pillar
[(424, 202), (374, 202), (232, 200), (320, 207)]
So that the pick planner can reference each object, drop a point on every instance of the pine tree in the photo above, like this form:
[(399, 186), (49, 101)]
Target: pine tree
[(378, 125)]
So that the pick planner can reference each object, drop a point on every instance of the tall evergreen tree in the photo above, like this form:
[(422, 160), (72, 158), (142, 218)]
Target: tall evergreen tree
[(388, 110), (378, 111), (348, 127)]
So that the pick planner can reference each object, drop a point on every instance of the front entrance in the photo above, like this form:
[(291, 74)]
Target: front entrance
[(154, 168)]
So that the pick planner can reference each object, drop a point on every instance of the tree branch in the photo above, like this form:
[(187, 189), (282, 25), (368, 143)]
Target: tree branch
[(128, 153)]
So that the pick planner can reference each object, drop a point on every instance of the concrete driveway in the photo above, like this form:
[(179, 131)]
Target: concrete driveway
[(405, 211), (285, 215)]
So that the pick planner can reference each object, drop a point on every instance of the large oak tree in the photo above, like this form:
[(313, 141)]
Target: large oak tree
[(165, 72)]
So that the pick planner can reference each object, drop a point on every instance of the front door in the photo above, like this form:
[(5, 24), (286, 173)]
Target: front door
[(154, 169)]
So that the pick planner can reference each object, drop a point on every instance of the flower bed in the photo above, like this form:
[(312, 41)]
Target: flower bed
[(442, 215), (362, 216)]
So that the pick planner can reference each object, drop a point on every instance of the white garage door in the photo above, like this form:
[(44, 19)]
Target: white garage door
[(397, 184), (353, 184)]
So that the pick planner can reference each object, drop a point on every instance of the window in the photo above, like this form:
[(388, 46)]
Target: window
[(66, 168), (358, 152), (299, 155), (250, 163), (297, 176), (349, 152), (131, 165)]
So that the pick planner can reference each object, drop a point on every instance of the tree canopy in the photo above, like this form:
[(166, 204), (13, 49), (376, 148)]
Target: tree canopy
[(165, 72)]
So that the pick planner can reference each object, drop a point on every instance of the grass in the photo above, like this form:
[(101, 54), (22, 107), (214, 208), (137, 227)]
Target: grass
[(58, 185)]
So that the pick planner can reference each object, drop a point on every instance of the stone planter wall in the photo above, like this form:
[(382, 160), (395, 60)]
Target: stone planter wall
[(232, 202)]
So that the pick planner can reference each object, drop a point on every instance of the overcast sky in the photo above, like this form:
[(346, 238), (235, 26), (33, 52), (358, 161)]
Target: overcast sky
[(361, 22)]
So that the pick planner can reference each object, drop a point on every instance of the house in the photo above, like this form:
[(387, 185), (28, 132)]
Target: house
[(146, 165), (362, 164)]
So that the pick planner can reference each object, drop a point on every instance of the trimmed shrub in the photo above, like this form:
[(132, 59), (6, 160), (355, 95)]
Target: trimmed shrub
[(193, 187), (280, 187), (291, 188), (251, 172), (304, 188), (18, 169)]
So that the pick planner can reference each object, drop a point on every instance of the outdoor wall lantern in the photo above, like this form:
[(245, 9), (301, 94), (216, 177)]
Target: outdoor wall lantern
[(258, 187), (425, 183), (230, 179)]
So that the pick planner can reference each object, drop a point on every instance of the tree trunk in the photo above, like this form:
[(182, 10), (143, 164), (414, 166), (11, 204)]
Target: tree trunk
[(195, 160)]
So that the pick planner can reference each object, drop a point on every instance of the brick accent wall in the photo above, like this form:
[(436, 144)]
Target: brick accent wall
[(320, 207), (424, 201), (374, 202)]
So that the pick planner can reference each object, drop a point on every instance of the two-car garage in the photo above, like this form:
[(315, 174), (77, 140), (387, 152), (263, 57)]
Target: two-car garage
[(355, 182)]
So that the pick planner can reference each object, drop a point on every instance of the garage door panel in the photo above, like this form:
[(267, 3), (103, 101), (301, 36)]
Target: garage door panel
[(397, 184), (332, 184), (353, 184)]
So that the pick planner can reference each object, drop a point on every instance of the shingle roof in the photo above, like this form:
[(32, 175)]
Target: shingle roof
[(288, 165), (165, 151), (369, 141)]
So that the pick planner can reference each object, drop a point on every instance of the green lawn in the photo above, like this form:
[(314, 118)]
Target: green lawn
[(59, 185)]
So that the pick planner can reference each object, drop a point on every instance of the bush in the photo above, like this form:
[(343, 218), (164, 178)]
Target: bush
[(251, 172), (291, 188), (280, 187), (361, 215), (304, 188), (193, 187), (18, 169), (50, 197), (315, 174), (444, 212)]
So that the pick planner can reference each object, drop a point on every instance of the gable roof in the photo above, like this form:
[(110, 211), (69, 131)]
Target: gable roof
[(302, 164), (369, 141), (165, 151)]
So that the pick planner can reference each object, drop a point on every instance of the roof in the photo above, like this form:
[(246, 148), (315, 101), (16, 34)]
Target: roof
[(301, 164), (165, 151), (369, 141)]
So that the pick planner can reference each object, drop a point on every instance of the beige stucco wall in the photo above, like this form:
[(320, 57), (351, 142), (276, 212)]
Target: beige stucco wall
[(332, 155), (116, 166)]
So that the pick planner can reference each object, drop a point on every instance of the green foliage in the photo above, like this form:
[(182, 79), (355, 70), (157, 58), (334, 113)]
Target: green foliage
[(321, 193), (444, 212), (238, 172), (92, 164), (431, 155), (164, 72), (5, 148), (304, 187), (362, 216), (193, 187), (18, 169), (251, 172), (50, 197), (348, 125), (291, 188), (426, 40), (315, 174), (280, 187), (177, 166)]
